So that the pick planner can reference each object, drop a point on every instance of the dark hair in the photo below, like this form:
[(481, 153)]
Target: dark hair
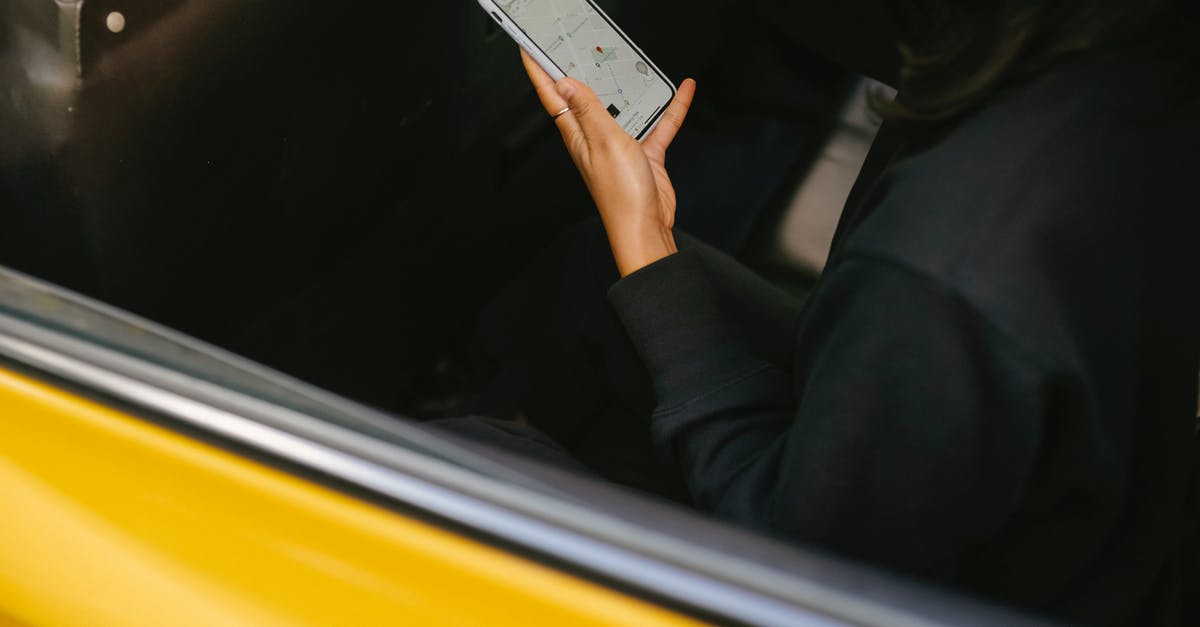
[(956, 54)]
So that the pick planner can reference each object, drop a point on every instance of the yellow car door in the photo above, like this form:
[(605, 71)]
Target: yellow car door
[(149, 479)]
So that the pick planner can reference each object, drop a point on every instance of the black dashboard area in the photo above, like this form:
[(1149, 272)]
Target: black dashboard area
[(336, 189)]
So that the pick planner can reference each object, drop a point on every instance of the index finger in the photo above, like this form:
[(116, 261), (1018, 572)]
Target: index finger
[(544, 85)]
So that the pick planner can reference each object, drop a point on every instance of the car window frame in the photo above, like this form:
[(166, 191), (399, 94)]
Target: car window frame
[(641, 547)]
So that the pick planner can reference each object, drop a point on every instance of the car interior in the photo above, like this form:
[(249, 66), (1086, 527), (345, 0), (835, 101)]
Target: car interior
[(336, 190)]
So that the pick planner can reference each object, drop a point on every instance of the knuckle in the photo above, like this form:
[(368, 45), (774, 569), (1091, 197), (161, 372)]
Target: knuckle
[(576, 143), (582, 108)]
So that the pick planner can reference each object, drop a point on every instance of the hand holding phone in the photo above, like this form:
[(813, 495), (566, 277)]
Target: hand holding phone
[(627, 179), (576, 38)]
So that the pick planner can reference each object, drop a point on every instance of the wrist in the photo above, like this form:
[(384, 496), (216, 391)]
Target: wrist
[(636, 246)]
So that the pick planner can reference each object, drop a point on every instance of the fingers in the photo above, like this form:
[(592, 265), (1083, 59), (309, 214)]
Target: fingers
[(596, 123), (544, 85), (554, 103), (672, 119)]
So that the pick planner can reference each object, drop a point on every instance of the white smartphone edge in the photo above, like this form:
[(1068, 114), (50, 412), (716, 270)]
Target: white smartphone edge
[(496, 13)]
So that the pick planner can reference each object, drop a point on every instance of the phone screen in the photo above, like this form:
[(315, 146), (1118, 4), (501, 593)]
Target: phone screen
[(587, 46)]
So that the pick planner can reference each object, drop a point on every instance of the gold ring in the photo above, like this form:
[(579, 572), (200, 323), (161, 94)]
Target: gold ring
[(562, 113)]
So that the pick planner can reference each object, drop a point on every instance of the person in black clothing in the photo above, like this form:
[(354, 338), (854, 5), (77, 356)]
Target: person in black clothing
[(994, 384)]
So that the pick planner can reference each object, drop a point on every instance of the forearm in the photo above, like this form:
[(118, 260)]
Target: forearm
[(909, 403), (719, 405)]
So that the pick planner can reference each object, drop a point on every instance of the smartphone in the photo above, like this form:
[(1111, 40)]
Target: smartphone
[(576, 38)]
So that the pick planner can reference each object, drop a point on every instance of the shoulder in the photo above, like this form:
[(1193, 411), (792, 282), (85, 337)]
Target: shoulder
[(1065, 186)]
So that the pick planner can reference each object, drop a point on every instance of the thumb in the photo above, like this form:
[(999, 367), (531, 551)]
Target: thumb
[(587, 109)]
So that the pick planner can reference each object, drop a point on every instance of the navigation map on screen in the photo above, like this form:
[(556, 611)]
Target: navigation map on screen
[(586, 47)]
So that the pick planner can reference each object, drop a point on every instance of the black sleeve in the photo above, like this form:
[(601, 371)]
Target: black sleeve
[(858, 34), (908, 430)]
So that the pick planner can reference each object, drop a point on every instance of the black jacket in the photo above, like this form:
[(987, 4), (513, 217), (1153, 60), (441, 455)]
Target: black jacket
[(995, 382)]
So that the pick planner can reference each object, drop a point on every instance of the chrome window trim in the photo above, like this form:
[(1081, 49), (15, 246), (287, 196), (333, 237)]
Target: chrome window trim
[(712, 596)]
